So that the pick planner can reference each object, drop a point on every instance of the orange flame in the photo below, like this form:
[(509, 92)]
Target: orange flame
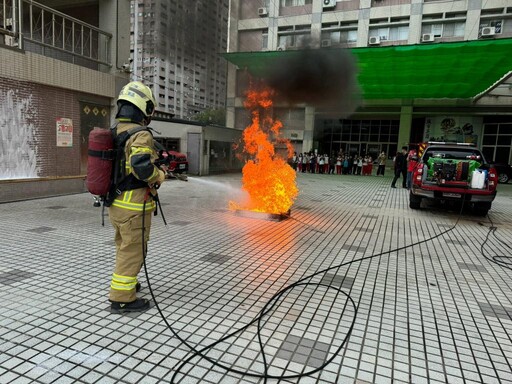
[(267, 177)]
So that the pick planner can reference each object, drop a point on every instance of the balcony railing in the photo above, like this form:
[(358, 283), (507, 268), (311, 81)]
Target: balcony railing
[(34, 27)]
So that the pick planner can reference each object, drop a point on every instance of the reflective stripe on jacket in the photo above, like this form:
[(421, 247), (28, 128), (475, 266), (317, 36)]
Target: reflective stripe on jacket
[(140, 155)]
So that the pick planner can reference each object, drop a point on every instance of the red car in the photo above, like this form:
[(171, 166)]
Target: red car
[(178, 163)]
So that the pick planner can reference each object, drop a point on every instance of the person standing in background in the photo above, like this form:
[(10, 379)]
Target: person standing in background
[(381, 160), (332, 163), (359, 165), (400, 168), (321, 163), (339, 160), (412, 161)]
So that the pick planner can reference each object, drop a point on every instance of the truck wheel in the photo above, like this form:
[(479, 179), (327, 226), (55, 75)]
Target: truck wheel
[(481, 209), (414, 201)]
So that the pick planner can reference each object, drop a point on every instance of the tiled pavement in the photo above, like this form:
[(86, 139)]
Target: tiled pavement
[(437, 312)]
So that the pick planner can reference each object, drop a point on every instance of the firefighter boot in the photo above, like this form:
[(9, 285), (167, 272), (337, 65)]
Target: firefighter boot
[(139, 305)]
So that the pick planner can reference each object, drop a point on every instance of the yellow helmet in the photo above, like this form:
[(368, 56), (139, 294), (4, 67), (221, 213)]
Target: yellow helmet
[(139, 95)]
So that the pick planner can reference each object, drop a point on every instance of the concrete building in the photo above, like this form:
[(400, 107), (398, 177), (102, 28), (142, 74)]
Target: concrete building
[(209, 149), (175, 48), (63, 63), (395, 33), (61, 68)]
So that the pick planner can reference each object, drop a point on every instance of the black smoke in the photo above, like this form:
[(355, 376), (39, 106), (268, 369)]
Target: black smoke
[(318, 77)]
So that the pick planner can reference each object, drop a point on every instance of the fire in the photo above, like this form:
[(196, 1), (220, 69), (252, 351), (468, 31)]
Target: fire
[(267, 177)]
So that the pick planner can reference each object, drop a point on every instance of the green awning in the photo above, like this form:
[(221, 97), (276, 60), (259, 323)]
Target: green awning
[(459, 70)]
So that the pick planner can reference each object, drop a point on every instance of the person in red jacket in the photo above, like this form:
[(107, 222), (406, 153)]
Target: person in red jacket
[(412, 162)]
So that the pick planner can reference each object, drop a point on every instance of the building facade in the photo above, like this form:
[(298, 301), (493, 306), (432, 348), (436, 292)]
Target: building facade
[(61, 68), (388, 123), (175, 49)]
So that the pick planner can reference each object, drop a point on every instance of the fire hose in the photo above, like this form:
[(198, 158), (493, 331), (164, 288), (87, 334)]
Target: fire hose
[(195, 352)]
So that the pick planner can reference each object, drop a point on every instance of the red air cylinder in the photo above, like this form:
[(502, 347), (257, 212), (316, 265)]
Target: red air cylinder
[(99, 161)]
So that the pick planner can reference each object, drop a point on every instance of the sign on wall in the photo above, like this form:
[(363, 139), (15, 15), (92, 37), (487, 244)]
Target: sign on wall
[(291, 134), (64, 132), (462, 129)]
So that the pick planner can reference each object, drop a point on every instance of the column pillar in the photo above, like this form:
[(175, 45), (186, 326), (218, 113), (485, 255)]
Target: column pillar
[(404, 132), (309, 127), (472, 19), (232, 47)]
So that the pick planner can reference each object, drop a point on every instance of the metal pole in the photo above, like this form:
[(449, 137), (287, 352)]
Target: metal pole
[(31, 21), (53, 30), (20, 24)]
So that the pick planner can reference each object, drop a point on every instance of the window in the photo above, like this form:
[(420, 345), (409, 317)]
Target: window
[(445, 30), (498, 24), (391, 33), (264, 40), (436, 30), (295, 3), (492, 11), (292, 36), (337, 37), (398, 33), (348, 36), (453, 29)]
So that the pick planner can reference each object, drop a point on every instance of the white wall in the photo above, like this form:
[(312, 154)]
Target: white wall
[(175, 130)]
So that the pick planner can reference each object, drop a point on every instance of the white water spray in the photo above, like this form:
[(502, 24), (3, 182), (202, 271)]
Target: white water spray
[(18, 148), (233, 192)]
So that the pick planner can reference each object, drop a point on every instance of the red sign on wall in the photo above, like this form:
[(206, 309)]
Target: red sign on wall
[(64, 132)]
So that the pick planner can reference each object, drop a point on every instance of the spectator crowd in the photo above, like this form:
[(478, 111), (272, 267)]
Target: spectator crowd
[(340, 164)]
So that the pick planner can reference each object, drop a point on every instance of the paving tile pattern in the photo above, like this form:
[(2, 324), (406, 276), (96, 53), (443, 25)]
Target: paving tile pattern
[(435, 312)]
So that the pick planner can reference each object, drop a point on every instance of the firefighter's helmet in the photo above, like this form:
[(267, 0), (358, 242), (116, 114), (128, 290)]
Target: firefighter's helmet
[(139, 95)]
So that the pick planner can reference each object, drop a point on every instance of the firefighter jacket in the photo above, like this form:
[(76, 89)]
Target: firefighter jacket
[(140, 154)]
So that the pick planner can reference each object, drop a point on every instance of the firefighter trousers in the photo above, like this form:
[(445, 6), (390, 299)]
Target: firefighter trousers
[(129, 252)]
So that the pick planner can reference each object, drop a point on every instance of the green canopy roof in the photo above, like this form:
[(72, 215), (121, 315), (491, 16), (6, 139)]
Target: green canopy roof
[(459, 70)]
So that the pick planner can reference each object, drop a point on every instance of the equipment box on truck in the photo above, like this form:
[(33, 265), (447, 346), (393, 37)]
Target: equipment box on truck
[(454, 171)]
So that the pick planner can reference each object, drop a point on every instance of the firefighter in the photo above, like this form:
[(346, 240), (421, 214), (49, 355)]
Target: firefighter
[(136, 105)]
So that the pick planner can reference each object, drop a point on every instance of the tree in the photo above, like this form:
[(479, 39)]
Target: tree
[(214, 116)]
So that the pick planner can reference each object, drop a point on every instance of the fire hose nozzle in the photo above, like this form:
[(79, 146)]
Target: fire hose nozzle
[(97, 202)]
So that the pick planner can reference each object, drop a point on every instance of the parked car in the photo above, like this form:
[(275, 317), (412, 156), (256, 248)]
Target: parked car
[(178, 164), (451, 171), (504, 172)]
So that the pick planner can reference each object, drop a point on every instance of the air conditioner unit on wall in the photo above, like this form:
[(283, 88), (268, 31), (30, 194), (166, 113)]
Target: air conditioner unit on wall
[(326, 43), (427, 38), (282, 47), (488, 31), (262, 11), (327, 4), (374, 40)]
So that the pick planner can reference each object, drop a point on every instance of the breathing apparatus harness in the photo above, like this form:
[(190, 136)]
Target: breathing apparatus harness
[(118, 181), (274, 300)]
